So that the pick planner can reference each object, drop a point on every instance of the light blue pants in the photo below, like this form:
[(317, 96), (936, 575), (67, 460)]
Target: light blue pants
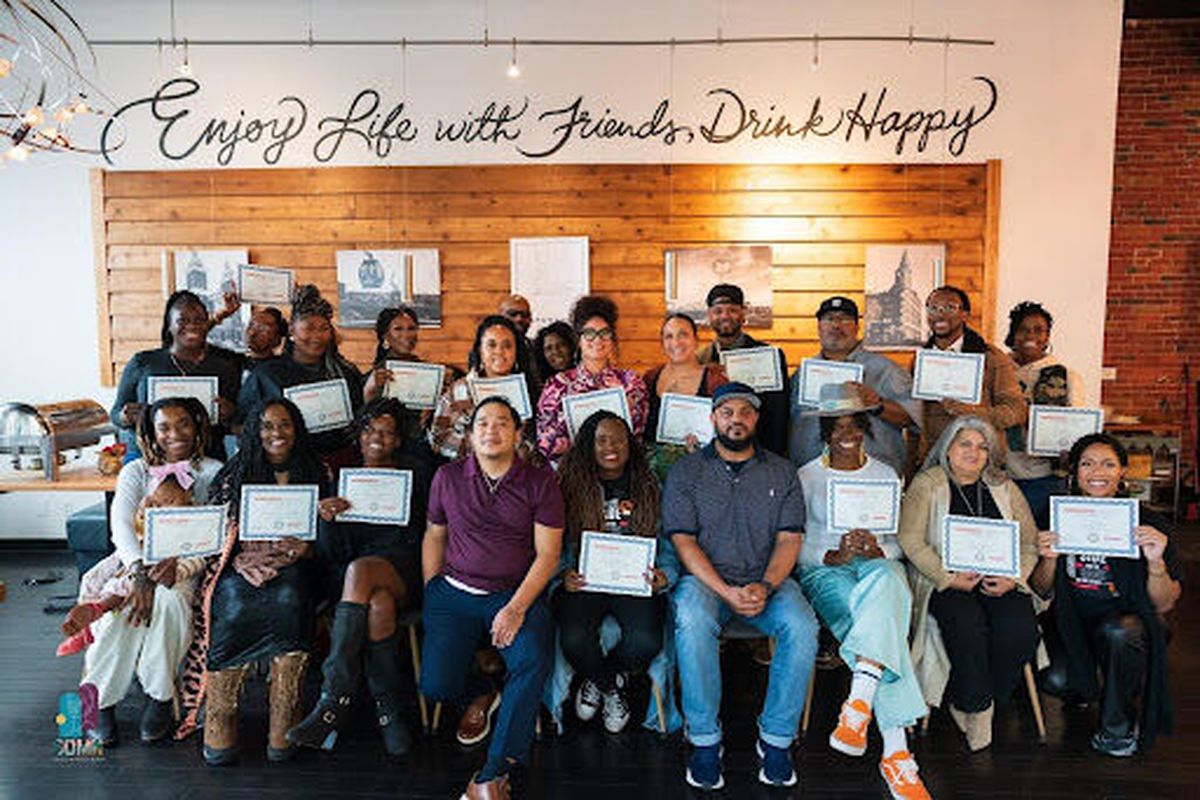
[(700, 616), (867, 605)]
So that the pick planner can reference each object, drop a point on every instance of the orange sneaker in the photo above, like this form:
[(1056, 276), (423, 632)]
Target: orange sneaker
[(900, 771), (850, 735)]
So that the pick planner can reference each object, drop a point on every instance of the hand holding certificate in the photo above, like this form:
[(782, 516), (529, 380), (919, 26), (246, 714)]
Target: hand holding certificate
[(183, 532), (377, 496), (982, 545), (1099, 526), (277, 512), (946, 375), (816, 372), (870, 504), (617, 564), (511, 387), (1053, 429), (757, 367), (266, 285), (683, 415), (578, 407), (414, 383), (201, 387), (324, 406)]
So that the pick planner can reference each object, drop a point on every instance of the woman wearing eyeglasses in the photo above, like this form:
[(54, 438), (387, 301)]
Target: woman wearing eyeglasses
[(594, 318)]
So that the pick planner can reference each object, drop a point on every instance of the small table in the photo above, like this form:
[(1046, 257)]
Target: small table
[(76, 476)]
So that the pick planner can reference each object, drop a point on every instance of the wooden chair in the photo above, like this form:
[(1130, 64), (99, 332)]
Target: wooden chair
[(1035, 702), (410, 620), (741, 630)]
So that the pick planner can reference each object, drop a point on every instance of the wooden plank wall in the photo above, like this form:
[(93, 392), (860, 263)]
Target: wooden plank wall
[(817, 218)]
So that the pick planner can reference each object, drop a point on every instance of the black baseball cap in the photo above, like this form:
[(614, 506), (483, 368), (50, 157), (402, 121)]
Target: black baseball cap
[(842, 304), (725, 293)]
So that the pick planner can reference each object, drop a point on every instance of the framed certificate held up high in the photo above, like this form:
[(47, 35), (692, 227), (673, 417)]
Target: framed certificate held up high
[(946, 375)]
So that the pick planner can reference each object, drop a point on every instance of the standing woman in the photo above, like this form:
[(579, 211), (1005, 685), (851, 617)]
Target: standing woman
[(681, 374), (1107, 612), (185, 351), (376, 570), (396, 331), (607, 486), (554, 350), (986, 630), (264, 333), (594, 318)]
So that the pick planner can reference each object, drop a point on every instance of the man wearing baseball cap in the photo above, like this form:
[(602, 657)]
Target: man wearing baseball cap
[(727, 316), (735, 512), (885, 386)]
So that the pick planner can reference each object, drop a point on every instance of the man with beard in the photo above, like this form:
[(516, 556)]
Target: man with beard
[(726, 316), (735, 514)]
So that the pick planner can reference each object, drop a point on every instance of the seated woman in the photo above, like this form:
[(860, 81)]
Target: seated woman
[(185, 352), (376, 570), (310, 356), (554, 350), (681, 374), (149, 635), (608, 487), (856, 584), (258, 601), (1107, 612), (594, 318), (396, 332), (986, 630)]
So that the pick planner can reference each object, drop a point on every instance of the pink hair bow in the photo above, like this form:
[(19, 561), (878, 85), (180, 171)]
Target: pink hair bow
[(180, 469)]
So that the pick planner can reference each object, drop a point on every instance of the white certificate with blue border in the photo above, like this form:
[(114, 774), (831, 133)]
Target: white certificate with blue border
[(511, 387), (613, 563), (1095, 526), (1053, 429), (415, 383), (816, 372), (578, 407), (271, 286), (872, 504), (946, 375), (183, 532), (324, 405), (201, 387), (757, 367), (983, 545), (681, 415), (274, 512), (377, 496)]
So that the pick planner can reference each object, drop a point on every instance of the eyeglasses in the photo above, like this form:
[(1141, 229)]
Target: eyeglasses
[(591, 334), (951, 308)]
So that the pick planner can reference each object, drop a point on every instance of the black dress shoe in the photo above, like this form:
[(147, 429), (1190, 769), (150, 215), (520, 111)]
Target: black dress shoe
[(105, 731), (157, 717)]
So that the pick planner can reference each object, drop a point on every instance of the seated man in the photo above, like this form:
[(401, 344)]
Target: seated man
[(491, 545), (735, 513)]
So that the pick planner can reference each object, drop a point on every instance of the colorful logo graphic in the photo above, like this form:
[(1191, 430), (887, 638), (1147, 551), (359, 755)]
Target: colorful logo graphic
[(78, 712)]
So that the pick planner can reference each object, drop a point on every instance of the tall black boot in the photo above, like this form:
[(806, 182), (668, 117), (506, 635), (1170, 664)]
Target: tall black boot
[(342, 670), (383, 667)]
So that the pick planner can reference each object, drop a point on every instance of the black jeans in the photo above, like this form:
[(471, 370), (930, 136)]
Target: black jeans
[(580, 615), (988, 639)]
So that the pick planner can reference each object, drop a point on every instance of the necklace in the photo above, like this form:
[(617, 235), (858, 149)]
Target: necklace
[(493, 484), (178, 365), (975, 512)]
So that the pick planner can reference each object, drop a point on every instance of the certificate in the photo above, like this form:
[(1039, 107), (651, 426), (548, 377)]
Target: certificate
[(511, 387), (1099, 526), (185, 532), (578, 407), (816, 372), (871, 504), (378, 496), (613, 563), (273, 512), (201, 387), (757, 367), (683, 414), (979, 544), (1053, 429), (324, 405), (946, 375), (415, 384), (267, 285)]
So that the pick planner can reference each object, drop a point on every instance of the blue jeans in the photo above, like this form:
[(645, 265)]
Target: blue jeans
[(458, 622), (700, 616)]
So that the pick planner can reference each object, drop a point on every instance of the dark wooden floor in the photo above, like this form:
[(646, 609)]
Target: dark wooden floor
[(583, 763)]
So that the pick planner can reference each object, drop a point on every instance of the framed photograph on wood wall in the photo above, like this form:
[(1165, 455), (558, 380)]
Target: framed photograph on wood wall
[(898, 279), (551, 272), (691, 272), (211, 274), (372, 280)]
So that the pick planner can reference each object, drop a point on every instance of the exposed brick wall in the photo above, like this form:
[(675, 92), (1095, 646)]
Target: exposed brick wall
[(1152, 331)]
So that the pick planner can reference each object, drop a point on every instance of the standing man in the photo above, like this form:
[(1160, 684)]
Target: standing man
[(491, 545), (735, 514), (1001, 403), (516, 308), (884, 385), (726, 315)]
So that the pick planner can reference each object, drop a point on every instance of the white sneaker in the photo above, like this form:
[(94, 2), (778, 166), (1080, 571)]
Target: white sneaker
[(616, 709), (588, 700)]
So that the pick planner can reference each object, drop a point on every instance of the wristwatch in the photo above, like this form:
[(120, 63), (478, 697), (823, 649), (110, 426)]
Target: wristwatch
[(769, 587)]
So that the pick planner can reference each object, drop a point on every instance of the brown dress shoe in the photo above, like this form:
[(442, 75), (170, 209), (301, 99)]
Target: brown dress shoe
[(476, 722), (495, 789)]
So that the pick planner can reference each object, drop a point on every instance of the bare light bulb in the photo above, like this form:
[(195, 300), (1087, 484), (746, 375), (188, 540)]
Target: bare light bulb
[(5, 67), (63, 115), (34, 117), (18, 153), (513, 70)]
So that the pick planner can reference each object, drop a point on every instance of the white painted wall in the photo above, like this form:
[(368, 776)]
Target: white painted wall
[(1056, 66)]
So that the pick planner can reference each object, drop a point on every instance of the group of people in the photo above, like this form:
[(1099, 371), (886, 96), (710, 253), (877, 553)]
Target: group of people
[(741, 525)]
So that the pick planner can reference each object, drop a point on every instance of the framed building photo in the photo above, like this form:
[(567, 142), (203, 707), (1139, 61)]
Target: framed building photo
[(692, 272), (211, 274), (898, 279), (372, 280)]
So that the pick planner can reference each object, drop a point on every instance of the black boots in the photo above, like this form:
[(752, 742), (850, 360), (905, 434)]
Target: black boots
[(105, 731), (383, 679), (157, 719), (342, 670)]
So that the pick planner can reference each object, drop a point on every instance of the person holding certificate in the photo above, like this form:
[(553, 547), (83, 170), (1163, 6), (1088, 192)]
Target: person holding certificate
[(986, 630), (1107, 611), (185, 352), (492, 544), (375, 567), (1001, 403), (681, 374), (594, 318), (850, 571), (608, 487), (735, 513), (149, 636), (555, 350), (309, 356), (396, 331), (258, 600)]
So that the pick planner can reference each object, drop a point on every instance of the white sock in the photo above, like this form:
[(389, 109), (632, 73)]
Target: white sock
[(865, 682), (894, 740)]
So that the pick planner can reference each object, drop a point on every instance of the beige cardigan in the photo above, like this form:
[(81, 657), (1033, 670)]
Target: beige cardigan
[(926, 503)]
